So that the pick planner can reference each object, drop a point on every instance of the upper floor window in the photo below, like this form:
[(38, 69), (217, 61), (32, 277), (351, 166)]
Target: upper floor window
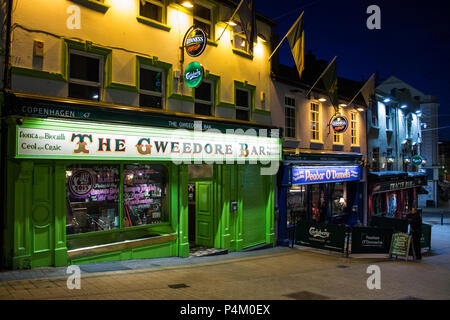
[(204, 99), (85, 75), (242, 104), (240, 39), (374, 112), (151, 87), (354, 128), (315, 118), (409, 126), (388, 118), (152, 9), (203, 19), (376, 158), (289, 116), (338, 137)]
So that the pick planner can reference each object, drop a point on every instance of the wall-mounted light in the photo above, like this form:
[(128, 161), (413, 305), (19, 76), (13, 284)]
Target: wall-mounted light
[(322, 99), (418, 111), (360, 109), (387, 100), (390, 158), (187, 4), (261, 38), (342, 105), (232, 23), (407, 159), (403, 106)]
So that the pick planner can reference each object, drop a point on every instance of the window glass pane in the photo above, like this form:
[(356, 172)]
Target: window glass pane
[(84, 92), (338, 198), (203, 92), (240, 42), (242, 98), (150, 10), (84, 68), (242, 115), (202, 12), (204, 109), (145, 197), (146, 100), (205, 26), (92, 195), (150, 80)]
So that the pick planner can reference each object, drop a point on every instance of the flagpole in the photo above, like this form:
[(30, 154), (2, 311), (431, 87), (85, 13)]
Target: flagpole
[(348, 105), (287, 34), (228, 22), (321, 75)]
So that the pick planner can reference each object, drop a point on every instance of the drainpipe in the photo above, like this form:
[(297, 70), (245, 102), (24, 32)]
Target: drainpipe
[(6, 88)]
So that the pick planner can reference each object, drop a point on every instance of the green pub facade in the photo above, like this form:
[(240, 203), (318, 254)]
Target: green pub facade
[(91, 190)]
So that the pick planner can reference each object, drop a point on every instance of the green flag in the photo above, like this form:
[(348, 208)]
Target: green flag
[(296, 40), (330, 82)]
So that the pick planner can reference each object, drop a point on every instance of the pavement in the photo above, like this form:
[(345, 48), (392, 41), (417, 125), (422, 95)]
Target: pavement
[(279, 273)]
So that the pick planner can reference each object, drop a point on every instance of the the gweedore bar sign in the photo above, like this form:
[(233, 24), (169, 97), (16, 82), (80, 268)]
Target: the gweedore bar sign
[(58, 139)]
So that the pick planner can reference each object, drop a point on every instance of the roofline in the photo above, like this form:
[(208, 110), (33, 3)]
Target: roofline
[(259, 16)]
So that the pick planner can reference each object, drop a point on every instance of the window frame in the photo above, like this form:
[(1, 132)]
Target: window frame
[(294, 109), (249, 100), (162, 5), (211, 103), (338, 138), (210, 36), (315, 130), (354, 128), (87, 83), (153, 93)]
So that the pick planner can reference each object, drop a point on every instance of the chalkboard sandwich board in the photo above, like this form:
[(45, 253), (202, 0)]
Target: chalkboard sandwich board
[(400, 245)]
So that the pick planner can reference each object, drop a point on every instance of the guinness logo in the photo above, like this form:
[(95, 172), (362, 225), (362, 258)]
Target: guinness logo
[(339, 124), (195, 41)]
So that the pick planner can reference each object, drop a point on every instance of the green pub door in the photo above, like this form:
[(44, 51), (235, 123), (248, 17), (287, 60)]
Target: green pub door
[(204, 214)]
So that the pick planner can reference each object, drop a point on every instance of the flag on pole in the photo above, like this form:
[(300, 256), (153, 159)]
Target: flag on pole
[(297, 43), (368, 90), (330, 82), (246, 14)]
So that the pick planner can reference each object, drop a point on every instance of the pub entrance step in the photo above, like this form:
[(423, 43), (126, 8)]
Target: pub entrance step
[(202, 251)]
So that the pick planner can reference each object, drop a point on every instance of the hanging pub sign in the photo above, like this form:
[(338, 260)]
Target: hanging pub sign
[(195, 41), (339, 124), (193, 74), (417, 160)]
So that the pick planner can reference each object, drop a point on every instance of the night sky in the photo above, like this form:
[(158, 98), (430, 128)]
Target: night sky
[(413, 43)]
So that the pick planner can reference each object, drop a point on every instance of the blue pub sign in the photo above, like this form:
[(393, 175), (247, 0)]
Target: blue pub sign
[(310, 175)]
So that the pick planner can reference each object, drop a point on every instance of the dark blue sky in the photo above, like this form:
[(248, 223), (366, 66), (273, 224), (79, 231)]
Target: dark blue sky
[(412, 44)]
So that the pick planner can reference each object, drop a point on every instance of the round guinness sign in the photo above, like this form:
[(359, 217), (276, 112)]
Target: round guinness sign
[(195, 41), (339, 124)]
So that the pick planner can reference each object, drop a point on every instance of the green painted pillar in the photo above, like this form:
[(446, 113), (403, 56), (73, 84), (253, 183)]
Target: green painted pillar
[(183, 232), (60, 254), (270, 230), (239, 215)]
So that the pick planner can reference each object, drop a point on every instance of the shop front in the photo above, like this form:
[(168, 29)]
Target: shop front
[(393, 194), (84, 186), (321, 188)]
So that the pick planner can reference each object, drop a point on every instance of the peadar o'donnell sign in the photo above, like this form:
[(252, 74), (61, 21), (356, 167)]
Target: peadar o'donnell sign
[(193, 74), (61, 139), (307, 175)]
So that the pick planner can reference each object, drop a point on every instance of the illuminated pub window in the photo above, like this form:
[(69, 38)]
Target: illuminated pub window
[(203, 99), (354, 128), (151, 87), (152, 9), (315, 121), (239, 39), (337, 137), (289, 115), (85, 75), (242, 104), (144, 194), (92, 195), (202, 19)]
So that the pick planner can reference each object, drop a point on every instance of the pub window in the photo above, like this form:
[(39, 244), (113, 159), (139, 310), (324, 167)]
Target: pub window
[(85, 75), (409, 126), (145, 197), (388, 118), (92, 195), (390, 163), (151, 87), (354, 128), (338, 137), (152, 9), (376, 158), (315, 118), (289, 115), (204, 99), (240, 39), (374, 112), (203, 19), (242, 104)]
